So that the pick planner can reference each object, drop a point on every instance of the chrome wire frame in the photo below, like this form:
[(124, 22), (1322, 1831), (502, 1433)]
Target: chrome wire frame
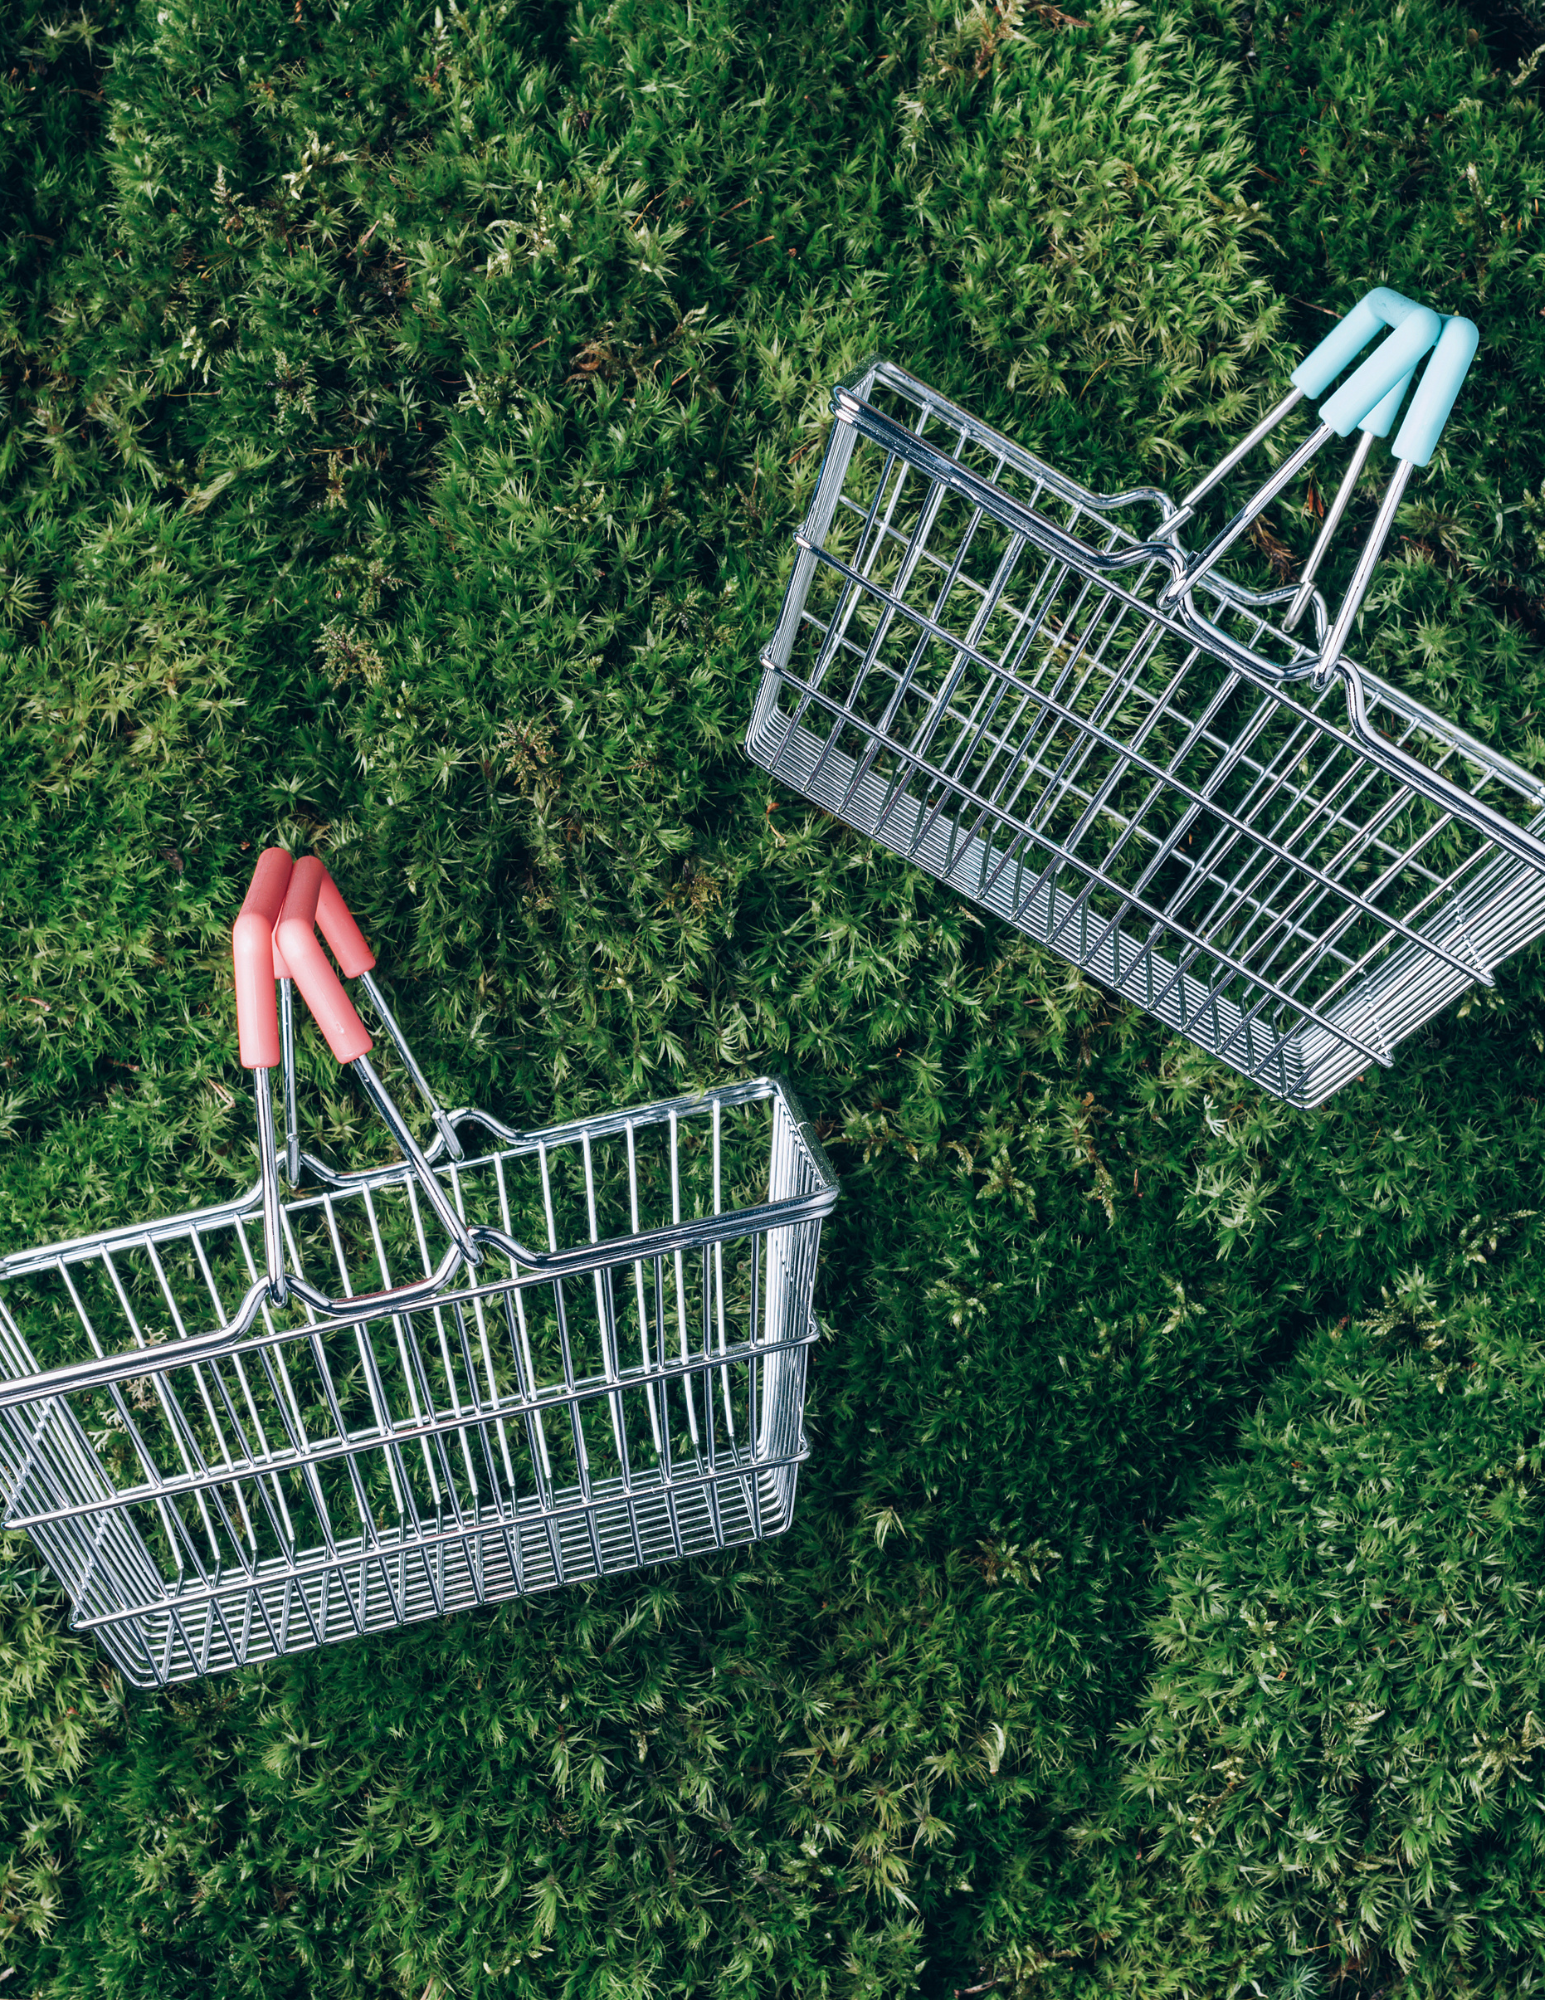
[(1035, 693), (217, 1478)]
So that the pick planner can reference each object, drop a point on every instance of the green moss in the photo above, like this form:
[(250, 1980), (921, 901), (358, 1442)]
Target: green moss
[(1341, 1748), (406, 413)]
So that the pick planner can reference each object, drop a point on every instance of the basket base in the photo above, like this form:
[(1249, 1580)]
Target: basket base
[(1303, 1066), (399, 1580), (989, 877)]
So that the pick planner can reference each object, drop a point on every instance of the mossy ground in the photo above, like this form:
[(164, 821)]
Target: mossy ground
[(406, 409)]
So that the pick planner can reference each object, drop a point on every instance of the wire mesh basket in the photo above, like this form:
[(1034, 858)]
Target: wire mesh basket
[(1041, 696), (285, 1420)]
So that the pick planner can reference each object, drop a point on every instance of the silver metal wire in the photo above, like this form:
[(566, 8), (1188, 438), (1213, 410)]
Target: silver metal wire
[(217, 1478), (1033, 692), (410, 1062)]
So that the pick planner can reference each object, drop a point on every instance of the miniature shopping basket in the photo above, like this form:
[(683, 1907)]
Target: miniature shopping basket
[(294, 1417), (1046, 698)]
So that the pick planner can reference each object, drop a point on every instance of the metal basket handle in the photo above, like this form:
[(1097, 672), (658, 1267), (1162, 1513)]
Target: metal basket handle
[(257, 1030), (1414, 331), (1442, 379), (300, 950), (274, 939), (1368, 400), (357, 961)]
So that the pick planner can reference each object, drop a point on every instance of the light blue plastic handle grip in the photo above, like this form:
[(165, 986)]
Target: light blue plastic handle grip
[(1442, 379), (1364, 391), (1380, 420), (1378, 308)]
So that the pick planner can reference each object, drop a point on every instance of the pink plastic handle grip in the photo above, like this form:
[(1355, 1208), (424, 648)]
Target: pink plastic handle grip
[(257, 1018), (354, 956), (302, 952)]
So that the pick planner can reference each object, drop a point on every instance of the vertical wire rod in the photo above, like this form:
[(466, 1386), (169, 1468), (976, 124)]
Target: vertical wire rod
[(268, 1160), (1226, 465), (1362, 576), (1251, 511), (428, 1180), (388, 1021), (287, 1052), (1328, 527)]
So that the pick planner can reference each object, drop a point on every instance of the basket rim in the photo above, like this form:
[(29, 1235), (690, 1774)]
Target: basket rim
[(517, 1144), (238, 1332), (849, 397)]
